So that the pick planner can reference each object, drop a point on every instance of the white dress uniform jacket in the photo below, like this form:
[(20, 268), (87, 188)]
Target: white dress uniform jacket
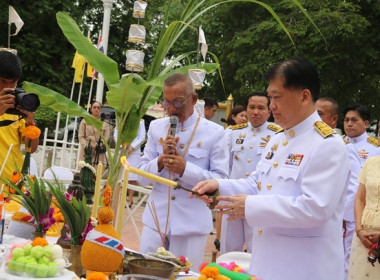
[(206, 158), (300, 184), (246, 144)]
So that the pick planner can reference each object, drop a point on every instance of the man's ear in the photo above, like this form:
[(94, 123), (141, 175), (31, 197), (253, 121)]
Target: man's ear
[(306, 95), (194, 98)]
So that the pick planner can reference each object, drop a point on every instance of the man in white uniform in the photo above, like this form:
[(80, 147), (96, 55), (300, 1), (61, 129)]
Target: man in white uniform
[(356, 120), (298, 188), (246, 143), (197, 152)]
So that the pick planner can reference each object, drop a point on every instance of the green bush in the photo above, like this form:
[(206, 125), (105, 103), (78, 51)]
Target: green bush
[(47, 117)]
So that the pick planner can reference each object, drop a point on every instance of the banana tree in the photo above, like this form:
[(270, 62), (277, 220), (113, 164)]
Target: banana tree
[(131, 95)]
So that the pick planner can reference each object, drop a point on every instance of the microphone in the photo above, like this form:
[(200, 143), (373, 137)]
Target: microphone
[(173, 125)]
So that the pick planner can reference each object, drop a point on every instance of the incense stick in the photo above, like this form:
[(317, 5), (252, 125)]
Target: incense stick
[(152, 209), (6, 158)]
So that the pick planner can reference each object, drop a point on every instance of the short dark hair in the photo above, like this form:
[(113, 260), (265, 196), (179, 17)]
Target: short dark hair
[(334, 104), (298, 73), (176, 78), (10, 65), (234, 112), (258, 93), (362, 110), (209, 102)]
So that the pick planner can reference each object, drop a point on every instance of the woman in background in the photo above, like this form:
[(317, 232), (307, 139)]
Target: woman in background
[(88, 133), (238, 115), (367, 222)]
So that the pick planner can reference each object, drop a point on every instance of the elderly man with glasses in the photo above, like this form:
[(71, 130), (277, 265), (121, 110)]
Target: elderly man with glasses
[(197, 151)]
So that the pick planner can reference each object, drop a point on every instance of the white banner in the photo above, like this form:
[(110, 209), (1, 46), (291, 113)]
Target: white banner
[(15, 18), (202, 41)]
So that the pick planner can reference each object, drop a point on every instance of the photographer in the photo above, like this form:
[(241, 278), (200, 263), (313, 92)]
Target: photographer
[(89, 133), (12, 125)]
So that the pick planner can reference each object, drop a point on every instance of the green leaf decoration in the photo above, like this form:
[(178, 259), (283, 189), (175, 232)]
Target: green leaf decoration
[(60, 103), (98, 60), (123, 95), (75, 212)]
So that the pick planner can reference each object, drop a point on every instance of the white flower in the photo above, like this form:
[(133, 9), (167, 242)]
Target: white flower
[(82, 164)]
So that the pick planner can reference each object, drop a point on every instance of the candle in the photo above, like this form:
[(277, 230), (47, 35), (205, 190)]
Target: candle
[(95, 205), (153, 177), (148, 175), (122, 202)]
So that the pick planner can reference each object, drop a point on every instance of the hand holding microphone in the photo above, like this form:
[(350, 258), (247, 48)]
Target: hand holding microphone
[(171, 147)]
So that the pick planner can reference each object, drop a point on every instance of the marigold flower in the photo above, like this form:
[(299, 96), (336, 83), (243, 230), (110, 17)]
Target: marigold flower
[(15, 177), (97, 276), (39, 241), (210, 272), (32, 132), (107, 195)]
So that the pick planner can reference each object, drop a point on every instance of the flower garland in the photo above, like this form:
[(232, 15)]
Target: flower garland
[(82, 164)]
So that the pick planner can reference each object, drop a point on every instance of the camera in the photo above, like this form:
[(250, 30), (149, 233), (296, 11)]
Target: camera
[(27, 101)]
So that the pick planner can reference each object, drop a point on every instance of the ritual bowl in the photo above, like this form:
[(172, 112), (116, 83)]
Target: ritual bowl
[(151, 267)]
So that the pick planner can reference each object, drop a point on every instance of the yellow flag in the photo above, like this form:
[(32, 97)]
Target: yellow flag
[(78, 64), (90, 70)]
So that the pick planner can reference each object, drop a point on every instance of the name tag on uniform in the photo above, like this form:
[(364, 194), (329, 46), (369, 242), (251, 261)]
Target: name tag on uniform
[(294, 159), (239, 141)]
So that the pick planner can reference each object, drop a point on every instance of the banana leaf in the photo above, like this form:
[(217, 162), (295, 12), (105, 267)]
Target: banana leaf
[(60, 103), (98, 60)]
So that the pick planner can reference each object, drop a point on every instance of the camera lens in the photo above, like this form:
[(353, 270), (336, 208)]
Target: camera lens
[(29, 101)]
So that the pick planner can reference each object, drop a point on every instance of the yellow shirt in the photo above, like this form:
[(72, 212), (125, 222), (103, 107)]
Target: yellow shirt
[(11, 134)]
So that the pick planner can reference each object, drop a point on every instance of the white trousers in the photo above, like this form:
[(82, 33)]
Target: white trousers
[(191, 246), (234, 235), (347, 243)]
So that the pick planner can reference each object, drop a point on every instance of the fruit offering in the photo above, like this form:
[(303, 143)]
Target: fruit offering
[(36, 259)]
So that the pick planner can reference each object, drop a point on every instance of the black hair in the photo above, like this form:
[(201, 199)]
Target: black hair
[(362, 110), (298, 73), (10, 65), (258, 93), (234, 112), (209, 102)]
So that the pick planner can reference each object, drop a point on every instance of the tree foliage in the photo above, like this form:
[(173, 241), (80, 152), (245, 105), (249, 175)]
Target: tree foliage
[(244, 36)]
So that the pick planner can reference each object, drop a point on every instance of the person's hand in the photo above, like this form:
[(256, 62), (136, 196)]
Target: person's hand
[(235, 208), (7, 101), (174, 163), (170, 145), (365, 238), (374, 236), (29, 119), (204, 187)]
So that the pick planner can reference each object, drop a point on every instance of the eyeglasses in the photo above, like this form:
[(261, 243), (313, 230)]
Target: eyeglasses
[(176, 103)]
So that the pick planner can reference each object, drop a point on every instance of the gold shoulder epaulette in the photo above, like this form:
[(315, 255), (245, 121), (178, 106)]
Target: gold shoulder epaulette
[(373, 141), (274, 128), (345, 140), (238, 126), (323, 129)]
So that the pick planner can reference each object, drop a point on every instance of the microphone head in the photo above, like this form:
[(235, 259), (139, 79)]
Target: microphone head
[(174, 119)]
